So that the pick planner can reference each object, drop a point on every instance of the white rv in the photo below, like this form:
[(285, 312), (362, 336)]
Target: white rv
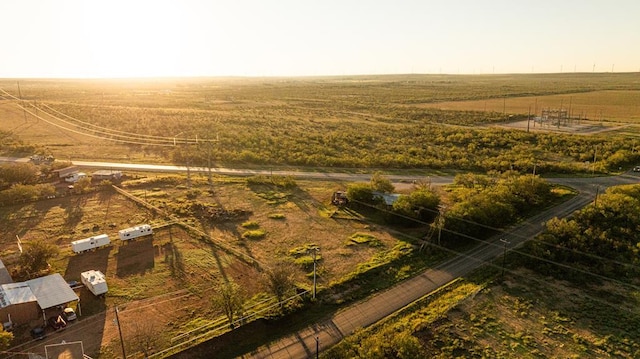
[(95, 281), (135, 232), (83, 245)]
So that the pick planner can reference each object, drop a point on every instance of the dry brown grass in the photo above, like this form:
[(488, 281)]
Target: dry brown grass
[(172, 260), (617, 106)]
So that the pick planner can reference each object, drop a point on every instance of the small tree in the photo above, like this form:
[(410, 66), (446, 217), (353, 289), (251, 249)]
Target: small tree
[(381, 184), (143, 335), (279, 281), (229, 298), (35, 257), (5, 339)]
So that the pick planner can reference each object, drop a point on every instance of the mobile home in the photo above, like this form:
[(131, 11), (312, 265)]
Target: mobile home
[(95, 281), (135, 232), (86, 244)]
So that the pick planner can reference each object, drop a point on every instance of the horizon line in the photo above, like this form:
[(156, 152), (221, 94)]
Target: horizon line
[(177, 77)]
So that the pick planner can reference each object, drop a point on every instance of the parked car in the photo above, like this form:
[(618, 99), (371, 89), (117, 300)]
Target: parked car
[(57, 323), (69, 314), (38, 333), (636, 169)]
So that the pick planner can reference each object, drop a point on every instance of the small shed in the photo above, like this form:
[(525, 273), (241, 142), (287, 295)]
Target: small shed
[(18, 304)]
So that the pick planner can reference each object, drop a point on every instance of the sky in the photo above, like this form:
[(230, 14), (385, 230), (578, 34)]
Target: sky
[(161, 38)]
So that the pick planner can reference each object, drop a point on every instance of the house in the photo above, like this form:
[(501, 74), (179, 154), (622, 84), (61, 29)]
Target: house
[(66, 172), (26, 301)]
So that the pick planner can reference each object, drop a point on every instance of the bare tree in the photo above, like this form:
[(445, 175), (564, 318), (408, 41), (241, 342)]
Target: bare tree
[(279, 281), (229, 298), (143, 333)]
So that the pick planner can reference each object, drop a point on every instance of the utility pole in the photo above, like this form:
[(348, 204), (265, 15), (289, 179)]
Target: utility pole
[(314, 251), (504, 255), (124, 353), (593, 169)]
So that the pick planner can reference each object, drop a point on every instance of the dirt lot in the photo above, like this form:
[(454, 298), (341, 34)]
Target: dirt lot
[(582, 127)]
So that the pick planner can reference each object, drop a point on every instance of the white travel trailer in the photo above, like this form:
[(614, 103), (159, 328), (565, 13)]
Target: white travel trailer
[(95, 281), (135, 232), (83, 245)]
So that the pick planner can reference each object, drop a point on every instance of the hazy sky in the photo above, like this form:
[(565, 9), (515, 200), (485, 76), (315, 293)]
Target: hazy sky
[(125, 38)]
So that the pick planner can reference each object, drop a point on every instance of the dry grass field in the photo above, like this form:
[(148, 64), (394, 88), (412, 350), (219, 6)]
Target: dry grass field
[(609, 106), (167, 277)]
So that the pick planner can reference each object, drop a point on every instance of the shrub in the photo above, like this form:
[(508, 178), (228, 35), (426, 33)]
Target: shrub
[(250, 225), (254, 234)]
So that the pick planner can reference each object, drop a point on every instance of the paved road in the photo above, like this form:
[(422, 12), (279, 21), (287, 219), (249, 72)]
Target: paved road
[(302, 344), (435, 180)]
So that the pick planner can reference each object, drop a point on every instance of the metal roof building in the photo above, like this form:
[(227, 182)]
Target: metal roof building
[(22, 302), (5, 277), (51, 291)]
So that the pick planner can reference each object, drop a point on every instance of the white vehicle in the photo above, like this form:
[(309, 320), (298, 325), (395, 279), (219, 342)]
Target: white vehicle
[(83, 245), (135, 232), (75, 177), (95, 281)]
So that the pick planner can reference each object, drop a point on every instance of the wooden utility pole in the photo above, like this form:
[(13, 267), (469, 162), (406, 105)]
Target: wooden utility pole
[(124, 353)]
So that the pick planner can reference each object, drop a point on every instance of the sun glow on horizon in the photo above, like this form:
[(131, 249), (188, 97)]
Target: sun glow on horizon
[(143, 41), (200, 38)]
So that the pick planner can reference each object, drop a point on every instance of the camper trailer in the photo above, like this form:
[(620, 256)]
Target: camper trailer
[(86, 244), (135, 232), (95, 281)]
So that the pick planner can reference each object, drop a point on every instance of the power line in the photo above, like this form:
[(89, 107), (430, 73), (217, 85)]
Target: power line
[(489, 243)]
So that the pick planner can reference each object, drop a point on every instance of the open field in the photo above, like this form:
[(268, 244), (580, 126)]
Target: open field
[(351, 122), (596, 106), (526, 316)]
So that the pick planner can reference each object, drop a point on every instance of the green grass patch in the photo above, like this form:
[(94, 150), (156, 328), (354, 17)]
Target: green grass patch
[(254, 234), (251, 225), (363, 238), (277, 216)]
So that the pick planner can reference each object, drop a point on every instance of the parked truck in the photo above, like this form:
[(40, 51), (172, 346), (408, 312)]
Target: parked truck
[(135, 232), (83, 245), (95, 281)]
